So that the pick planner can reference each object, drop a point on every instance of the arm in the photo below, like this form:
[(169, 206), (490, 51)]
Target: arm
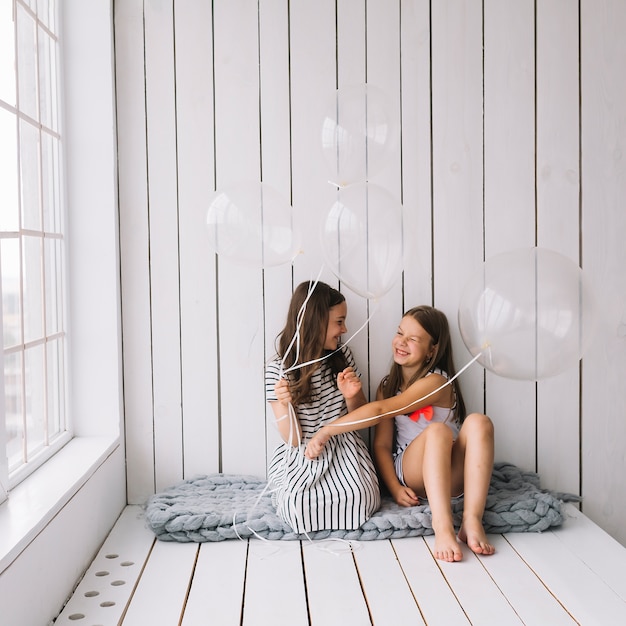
[(286, 416), (383, 453), (421, 393)]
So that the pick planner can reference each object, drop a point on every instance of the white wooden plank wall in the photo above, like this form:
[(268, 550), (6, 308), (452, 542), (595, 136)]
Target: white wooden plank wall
[(513, 129)]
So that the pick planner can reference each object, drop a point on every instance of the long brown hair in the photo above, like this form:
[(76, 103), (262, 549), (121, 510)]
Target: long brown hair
[(435, 323), (312, 334)]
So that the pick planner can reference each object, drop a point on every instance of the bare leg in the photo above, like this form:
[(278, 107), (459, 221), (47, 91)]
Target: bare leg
[(473, 458), (427, 470)]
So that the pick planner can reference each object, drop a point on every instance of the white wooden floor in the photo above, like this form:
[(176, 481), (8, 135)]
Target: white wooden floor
[(575, 574)]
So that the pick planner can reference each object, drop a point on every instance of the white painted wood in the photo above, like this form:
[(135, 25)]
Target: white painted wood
[(510, 193), (436, 600), (482, 601), (598, 550), (457, 145), (277, 65), (56, 557), (105, 590), (313, 82), (581, 591), (383, 70), (134, 249), (195, 163), (274, 28), (275, 586), (331, 604), (416, 152), (570, 574), (517, 581), (93, 356), (558, 228), (240, 288), (387, 593), (218, 584), (160, 599), (164, 243), (604, 258), (351, 71)]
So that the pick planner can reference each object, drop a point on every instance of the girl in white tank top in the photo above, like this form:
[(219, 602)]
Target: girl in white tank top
[(431, 449)]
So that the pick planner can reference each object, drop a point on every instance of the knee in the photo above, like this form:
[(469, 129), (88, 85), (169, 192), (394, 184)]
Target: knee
[(479, 423), (439, 431)]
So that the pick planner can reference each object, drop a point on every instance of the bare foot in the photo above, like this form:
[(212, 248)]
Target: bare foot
[(473, 534), (447, 548)]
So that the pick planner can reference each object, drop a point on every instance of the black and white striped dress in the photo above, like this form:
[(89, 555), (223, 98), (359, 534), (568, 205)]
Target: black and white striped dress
[(338, 490)]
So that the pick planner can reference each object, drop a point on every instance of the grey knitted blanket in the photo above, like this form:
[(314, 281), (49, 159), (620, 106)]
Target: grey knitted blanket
[(231, 506)]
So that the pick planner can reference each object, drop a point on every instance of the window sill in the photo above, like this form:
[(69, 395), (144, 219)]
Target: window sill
[(37, 499)]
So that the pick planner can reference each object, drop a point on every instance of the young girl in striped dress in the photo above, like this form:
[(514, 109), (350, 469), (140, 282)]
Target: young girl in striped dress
[(431, 449), (313, 381)]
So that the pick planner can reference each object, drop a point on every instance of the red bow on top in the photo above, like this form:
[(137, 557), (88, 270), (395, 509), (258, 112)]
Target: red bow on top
[(426, 412)]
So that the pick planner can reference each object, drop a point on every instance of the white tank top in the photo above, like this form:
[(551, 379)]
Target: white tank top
[(407, 428)]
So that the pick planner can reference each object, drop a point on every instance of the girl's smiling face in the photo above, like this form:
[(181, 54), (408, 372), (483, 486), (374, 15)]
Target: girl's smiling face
[(411, 345), (336, 325)]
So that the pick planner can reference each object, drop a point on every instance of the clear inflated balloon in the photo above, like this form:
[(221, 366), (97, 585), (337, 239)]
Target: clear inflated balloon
[(251, 223), (362, 239), (531, 310), (358, 133)]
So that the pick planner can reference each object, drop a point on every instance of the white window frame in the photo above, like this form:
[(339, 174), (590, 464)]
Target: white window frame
[(94, 378), (43, 417)]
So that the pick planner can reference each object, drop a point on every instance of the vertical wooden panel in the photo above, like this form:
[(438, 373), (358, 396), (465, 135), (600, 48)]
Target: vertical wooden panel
[(416, 154), (457, 166), (603, 98), (510, 193), (134, 249), (276, 165), (313, 68), (352, 71), (240, 287), (558, 192), (383, 70), (163, 223), (195, 139)]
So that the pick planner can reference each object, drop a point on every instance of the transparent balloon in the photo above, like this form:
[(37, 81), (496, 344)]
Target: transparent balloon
[(362, 239), (358, 133), (531, 310), (252, 224)]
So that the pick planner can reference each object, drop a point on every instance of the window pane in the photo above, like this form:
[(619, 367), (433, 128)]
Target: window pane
[(13, 401), (56, 407), (32, 288), (35, 407), (7, 53), (11, 310), (50, 177), (47, 91), (31, 235), (9, 215), (26, 63), (54, 288), (29, 171)]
